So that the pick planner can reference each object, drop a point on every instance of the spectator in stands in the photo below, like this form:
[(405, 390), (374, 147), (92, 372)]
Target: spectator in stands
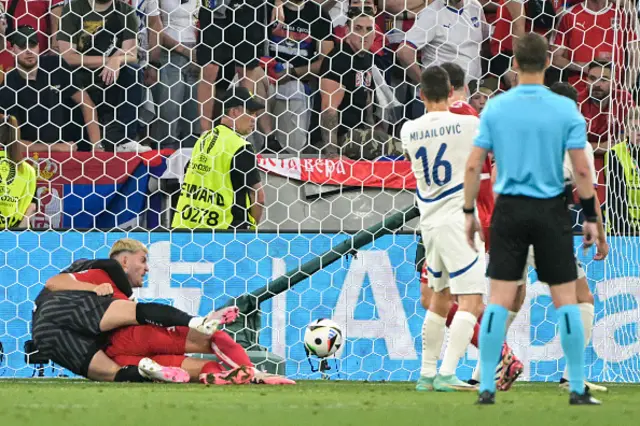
[(623, 180), (149, 29), (604, 107), (347, 89), (341, 31), (176, 93), (299, 39), (17, 178), (232, 37), (397, 17), (586, 33), (481, 91), (514, 19), (46, 124), (98, 40), (222, 187), (43, 15), (7, 60), (444, 36)]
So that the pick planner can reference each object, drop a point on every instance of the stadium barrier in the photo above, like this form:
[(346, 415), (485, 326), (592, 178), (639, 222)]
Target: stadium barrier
[(374, 296)]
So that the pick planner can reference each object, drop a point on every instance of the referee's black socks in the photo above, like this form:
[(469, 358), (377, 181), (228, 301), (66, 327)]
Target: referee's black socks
[(161, 315)]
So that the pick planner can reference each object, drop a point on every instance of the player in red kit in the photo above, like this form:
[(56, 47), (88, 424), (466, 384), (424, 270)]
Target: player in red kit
[(510, 368), (167, 346)]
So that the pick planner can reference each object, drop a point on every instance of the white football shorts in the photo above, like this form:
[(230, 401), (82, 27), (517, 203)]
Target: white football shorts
[(451, 263)]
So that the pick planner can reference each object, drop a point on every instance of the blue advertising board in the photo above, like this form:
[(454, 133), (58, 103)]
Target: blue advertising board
[(374, 296)]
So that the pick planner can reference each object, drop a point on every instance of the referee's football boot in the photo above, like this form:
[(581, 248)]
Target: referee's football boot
[(151, 370), (486, 398), (584, 399), (452, 384), (564, 384)]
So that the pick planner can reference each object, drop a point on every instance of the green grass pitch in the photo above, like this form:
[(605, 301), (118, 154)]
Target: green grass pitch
[(84, 403)]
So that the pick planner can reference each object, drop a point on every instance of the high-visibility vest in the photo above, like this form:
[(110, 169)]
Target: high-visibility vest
[(17, 188), (632, 180), (207, 195)]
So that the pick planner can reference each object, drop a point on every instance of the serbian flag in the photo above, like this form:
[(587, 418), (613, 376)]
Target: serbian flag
[(85, 190)]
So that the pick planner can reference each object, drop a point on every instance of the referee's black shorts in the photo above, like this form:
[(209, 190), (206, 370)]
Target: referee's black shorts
[(519, 222), (66, 327)]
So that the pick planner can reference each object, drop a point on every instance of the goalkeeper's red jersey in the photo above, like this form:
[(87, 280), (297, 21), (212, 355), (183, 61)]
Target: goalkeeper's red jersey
[(485, 195)]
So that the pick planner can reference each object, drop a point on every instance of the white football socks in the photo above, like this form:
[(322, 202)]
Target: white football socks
[(587, 313), (460, 334), (433, 329)]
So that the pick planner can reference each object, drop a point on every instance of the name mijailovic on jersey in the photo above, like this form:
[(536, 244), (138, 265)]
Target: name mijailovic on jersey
[(452, 129)]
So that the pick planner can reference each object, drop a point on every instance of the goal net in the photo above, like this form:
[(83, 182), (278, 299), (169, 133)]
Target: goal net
[(315, 199)]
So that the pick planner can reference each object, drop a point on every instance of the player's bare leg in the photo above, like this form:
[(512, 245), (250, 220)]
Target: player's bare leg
[(470, 306), (102, 368), (122, 313)]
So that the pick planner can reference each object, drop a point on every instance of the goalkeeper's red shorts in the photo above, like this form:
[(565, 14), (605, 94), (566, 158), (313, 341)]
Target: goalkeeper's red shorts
[(147, 340)]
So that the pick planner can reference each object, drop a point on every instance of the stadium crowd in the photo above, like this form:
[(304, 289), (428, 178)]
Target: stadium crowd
[(336, 77)]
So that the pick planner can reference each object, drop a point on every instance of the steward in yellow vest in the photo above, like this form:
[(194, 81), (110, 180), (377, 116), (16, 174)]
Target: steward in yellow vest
[(17, 179), (623, 186), (222, 187)]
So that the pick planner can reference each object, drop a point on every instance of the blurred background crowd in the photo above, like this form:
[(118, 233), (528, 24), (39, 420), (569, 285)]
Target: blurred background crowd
[(337, 78)]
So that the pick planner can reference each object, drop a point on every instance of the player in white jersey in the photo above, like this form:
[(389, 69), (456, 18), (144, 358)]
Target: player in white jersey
[(583, 293), (438, 144)]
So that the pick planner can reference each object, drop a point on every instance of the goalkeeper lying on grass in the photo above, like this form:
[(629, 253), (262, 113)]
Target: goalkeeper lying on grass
[(166, 347)]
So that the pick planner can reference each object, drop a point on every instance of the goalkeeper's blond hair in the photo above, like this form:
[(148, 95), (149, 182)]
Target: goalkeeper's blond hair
[(126, 245)]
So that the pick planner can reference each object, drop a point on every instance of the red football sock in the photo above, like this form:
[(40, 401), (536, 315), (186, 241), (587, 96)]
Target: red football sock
[(228, 351), (451, 314)]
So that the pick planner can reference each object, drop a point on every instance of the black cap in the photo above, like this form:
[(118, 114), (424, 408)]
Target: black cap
[(23, 35), (241, 97)]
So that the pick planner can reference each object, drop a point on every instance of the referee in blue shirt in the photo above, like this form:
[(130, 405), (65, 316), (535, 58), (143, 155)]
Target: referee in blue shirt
[(529, 129)]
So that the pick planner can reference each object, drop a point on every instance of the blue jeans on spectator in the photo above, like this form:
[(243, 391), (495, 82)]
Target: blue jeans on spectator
[(177, 124)]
